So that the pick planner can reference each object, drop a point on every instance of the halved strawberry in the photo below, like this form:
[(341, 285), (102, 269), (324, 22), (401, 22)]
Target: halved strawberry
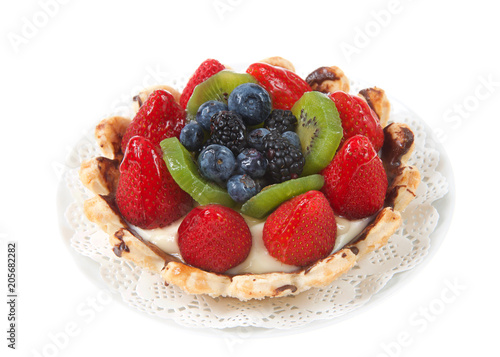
[(358, 118), (284, 86), (206, 70), (147, 195), (355, 180), (214, 238), (302, 230), (160, 117)]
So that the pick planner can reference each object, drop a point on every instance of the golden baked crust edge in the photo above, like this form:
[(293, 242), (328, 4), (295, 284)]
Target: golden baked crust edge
[(128, 245)]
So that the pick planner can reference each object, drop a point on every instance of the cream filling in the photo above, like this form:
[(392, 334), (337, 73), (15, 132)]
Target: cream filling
[(347, 230), (258, 261)]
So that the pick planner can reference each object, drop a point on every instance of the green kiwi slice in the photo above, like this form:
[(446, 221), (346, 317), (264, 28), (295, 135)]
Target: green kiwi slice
[(272, 196), (218, 87), (184, 171), (319, 129)]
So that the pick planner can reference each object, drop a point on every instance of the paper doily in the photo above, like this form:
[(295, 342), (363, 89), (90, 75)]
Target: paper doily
[(146, 291)]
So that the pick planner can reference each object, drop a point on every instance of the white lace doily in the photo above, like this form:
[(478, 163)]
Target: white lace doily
[(147, 292)]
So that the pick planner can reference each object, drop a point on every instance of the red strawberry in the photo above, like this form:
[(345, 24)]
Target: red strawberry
[(358, 118), (206, 70), (355, 180), (284, 86), (214, 238), (160, 117), (302, 230), (147, 195)]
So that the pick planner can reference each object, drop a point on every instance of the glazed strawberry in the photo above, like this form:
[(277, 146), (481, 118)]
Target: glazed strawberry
[(206, 70), (147, 196), (355, 180), (160, 117), (214, 238), (302, 230), (358, 118), (284, 86)]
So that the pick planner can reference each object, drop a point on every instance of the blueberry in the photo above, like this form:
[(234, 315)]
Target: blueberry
[(241, 188), (216, 163), (256, 138), (192, 136), (251, 102), (207, 110), (252, 163), (292, 138)]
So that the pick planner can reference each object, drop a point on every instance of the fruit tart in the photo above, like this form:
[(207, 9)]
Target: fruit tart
[(251, 185)]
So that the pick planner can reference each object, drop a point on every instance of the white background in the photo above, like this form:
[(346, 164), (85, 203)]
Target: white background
[(64, 66)]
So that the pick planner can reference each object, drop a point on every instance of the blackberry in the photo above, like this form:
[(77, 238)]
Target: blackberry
[(227, 129), (285, 161), (256, 138), (281, 121)]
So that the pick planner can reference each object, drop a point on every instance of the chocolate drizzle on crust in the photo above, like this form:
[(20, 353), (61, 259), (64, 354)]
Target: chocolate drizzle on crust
[(121, 247), (392, 195), (292, 289), (354, 250), (165, 256), (397, 143), (138, 99), (363, 234), (308, 268), (366, 96), (110, 172), (320, 75), (110, 200)]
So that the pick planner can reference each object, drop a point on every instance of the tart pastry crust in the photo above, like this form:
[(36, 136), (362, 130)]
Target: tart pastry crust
[(279, 62), (100, 175), (328, 80), (378, 101)]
